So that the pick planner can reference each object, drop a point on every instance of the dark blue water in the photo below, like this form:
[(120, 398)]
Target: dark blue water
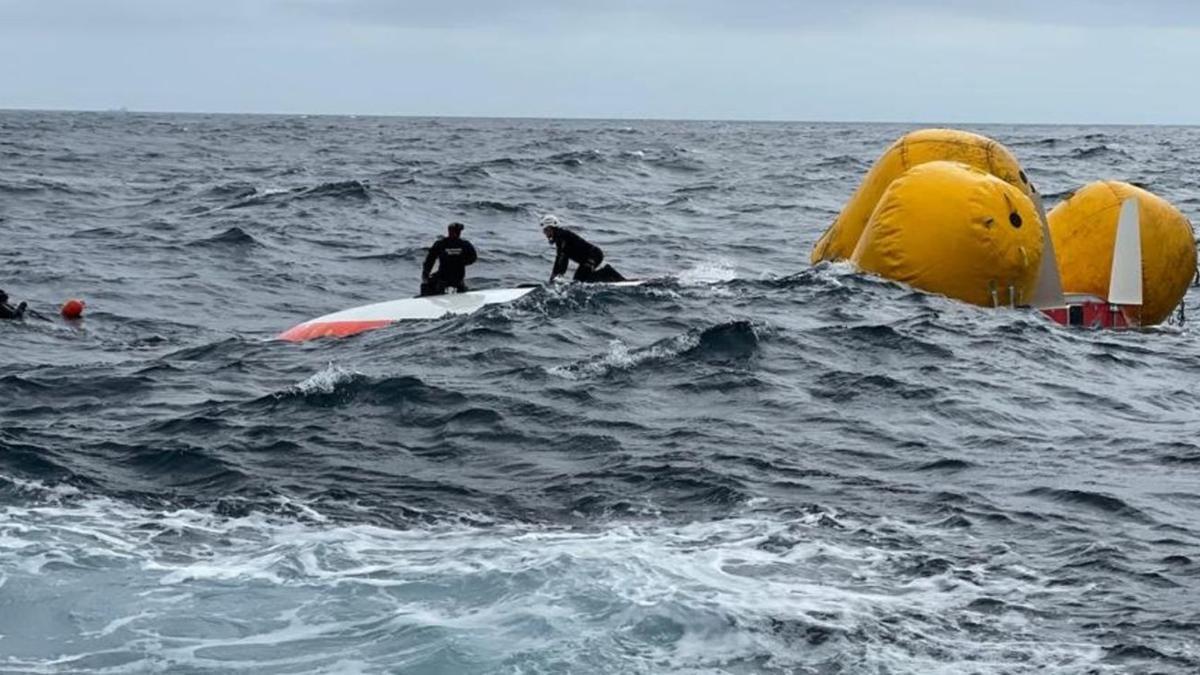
[(749, 465)]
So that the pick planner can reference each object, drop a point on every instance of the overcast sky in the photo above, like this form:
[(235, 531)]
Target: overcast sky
[(1071, 61)]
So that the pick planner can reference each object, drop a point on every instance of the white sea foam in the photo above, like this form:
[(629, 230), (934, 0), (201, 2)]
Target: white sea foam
[(326, 380), (136, 590), (620, 357), (708, 272)]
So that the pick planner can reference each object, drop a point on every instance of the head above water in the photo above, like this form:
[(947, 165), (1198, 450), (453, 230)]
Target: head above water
[(3, 296), (547, 223), (454, 230)]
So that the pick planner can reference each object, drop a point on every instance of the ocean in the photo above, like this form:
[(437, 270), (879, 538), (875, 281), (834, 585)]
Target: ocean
[(747, 465)]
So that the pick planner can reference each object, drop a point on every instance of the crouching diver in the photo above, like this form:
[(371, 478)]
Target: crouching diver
[(452, 253), (7, 311), (572, 247)]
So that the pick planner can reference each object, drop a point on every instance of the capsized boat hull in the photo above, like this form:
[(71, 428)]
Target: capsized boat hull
[(369, 317)]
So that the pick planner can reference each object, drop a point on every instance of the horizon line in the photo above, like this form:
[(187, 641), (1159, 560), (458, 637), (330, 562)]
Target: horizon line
[(744, 120)]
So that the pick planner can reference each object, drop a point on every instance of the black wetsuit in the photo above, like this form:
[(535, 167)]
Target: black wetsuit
[(7, 311), (452, 257), (571, 247)]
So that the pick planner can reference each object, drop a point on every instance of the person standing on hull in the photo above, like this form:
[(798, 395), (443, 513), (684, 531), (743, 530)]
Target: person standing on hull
[(452, 254), (7, 311), (572, 247)]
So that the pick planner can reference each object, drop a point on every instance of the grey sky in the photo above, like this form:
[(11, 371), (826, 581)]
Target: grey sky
[(1099, 61)]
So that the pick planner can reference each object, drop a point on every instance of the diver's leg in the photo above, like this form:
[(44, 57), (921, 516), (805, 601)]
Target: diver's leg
[(608, 274), (437, 285)]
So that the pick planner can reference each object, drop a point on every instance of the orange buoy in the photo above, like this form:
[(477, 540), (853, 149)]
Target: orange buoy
[(911, 150), (1084, 229), (73, 309), (957, 230)]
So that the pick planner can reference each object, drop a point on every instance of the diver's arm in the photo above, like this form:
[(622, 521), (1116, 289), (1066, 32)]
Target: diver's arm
[(469, 256), (430, 258), (560, 262)]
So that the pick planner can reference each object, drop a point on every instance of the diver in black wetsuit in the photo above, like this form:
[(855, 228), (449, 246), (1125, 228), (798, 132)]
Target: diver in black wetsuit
[(452, 254), (7, 311), (572, 247)]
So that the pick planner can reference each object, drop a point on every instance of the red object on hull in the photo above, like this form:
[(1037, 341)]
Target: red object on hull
[(1088, 311), (312, 331)]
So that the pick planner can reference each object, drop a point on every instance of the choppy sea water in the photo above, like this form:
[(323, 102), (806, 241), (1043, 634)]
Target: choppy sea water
[(749, 465)]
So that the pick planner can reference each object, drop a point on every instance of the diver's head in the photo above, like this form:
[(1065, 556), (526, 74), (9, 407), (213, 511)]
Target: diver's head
[(548, 224), (453, 230), (3, 296)]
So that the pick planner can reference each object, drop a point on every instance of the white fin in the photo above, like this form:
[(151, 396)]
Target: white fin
[(1048, 293), (1125, 285)]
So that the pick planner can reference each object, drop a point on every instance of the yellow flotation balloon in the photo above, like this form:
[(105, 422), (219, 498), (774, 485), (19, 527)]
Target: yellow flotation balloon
[(1084, 228), (950, 228), (918, 147)]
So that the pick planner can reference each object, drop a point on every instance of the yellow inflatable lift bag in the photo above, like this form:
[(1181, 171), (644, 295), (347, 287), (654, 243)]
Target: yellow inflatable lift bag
[(953, 229), (1084, 228), (918, 147)]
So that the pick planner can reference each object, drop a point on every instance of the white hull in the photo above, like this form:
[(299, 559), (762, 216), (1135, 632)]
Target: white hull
[(367, 317)]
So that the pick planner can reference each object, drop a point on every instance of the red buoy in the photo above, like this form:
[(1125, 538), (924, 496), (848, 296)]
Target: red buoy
[(73, 309)]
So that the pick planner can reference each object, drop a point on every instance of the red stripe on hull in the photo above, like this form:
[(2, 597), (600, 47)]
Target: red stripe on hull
[(1094, 314), (312, 331)]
